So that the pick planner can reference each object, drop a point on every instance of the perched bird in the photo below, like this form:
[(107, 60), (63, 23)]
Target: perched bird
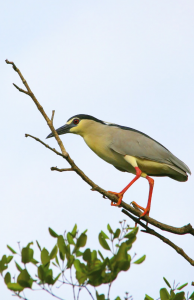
[(128, 150)]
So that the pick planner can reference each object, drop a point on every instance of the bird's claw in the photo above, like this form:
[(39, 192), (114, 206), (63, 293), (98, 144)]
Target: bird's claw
[(120, 197), (146, 210)]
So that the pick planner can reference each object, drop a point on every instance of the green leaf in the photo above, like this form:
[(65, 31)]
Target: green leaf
[(87, 255), (57, 261), (41, 273), (54, 264), (45, 256), (56, 278), (49, 276), (132, 233), (4, 259), (53, 233), (62, 256), (117, 233), (34, 261), (3, 263), (81, 241), (100, 297), (100, 254), (11, 249), (192, 296), (7, 278), (18, 267), (164, 295), (70, 261), (109, 229), (172, 294), (38, 245), (104, 235), (2, 266), (78, 253), (61, 244), (74, 230), (168, 284), (103, 242), (179, 296), (148, 298), (77, 265), (24, 279), (15, 287), (27, 255), (54, 252), (81, 277), (70, 239), (122, 252), (94, 255), (68, 251), (80, 271), (182, 286), (140, 260), (9, 258), (118, 298)]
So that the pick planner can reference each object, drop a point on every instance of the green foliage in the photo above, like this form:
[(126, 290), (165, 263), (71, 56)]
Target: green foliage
[(5, 260), (27, 254), (140, 260), (90, 267), (172, 294)]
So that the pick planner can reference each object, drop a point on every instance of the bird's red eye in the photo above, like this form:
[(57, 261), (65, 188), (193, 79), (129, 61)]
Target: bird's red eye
[(75, 121)]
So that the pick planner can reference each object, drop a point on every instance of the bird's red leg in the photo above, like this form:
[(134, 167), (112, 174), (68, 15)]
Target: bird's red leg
[(120, 195), (147, 209), (151, 184)]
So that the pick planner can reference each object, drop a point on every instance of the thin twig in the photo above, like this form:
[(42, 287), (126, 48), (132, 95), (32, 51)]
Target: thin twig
[(19, 296), (40, 108), (80, 288), (89, 292), (109, 286), (61, 170), (78, 171), (21, 90), (72, 284), (52, 117), (161, 237), (46, 145), (51, 293)]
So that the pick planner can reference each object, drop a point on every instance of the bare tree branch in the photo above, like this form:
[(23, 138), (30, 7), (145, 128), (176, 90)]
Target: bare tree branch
[(161, 237), (182, 230), (187, 229), (40, 108), (61, 170)]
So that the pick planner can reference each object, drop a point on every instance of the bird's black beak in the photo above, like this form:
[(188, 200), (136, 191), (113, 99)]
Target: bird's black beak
[(61, 130)]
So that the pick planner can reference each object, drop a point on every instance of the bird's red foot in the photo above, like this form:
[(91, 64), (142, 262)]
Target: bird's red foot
[(145, 213), (119, 195), (146, 210)]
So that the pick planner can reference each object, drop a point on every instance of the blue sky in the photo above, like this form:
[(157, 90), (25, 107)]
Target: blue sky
[(126, 62)]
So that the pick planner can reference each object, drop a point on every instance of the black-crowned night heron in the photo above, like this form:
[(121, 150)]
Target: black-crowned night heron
[(128, 150)]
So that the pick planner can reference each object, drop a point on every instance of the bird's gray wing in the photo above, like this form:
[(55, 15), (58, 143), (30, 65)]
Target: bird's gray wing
[(137, 144)]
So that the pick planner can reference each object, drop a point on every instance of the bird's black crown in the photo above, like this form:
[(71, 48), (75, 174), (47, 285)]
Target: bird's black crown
[(86, 117)]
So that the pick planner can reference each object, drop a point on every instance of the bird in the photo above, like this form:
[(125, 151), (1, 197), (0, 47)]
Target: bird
[(128, 150)]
